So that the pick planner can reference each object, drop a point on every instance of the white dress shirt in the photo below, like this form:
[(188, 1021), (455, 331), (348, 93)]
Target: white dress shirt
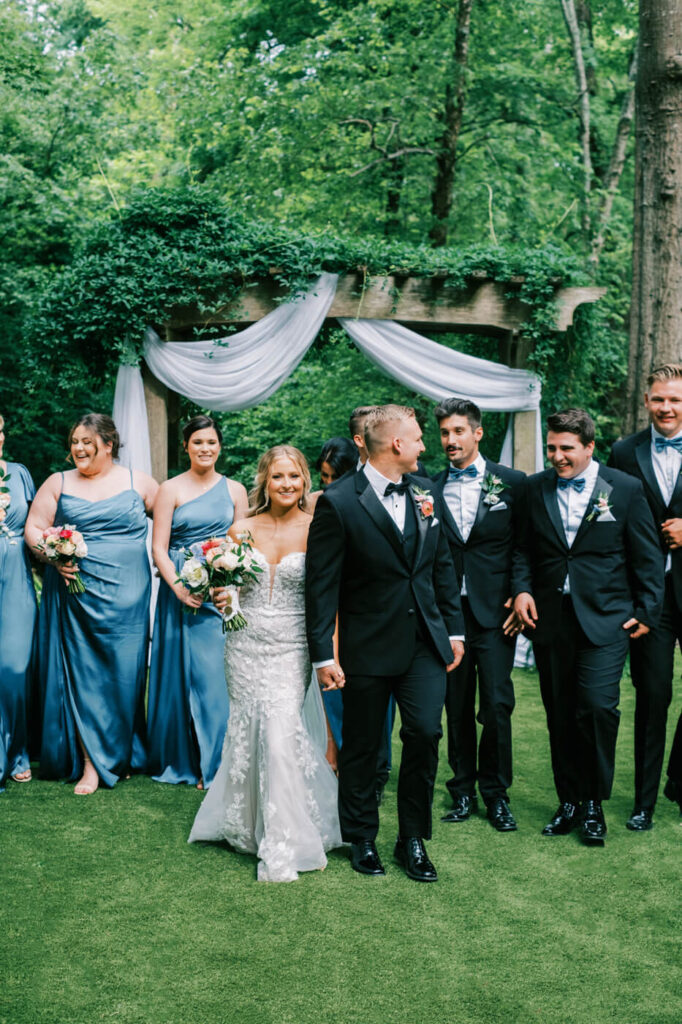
[(573, 506), (462, 498), (393, 503), (667, 465)]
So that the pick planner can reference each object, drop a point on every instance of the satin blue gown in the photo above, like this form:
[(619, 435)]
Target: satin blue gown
[(188, 706), (93, 646), (18, 611)]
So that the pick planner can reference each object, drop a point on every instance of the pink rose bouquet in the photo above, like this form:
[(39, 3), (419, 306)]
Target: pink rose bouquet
[(61, 545)]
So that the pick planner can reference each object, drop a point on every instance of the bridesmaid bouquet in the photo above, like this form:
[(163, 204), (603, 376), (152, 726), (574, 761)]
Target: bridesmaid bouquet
[(221, 562), (61, 545), (5, 500)]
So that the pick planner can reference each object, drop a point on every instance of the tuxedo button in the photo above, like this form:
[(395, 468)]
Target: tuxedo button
[(410, 611)]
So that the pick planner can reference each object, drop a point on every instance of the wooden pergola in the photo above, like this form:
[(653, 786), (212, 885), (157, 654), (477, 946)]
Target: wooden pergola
[(427, 304)]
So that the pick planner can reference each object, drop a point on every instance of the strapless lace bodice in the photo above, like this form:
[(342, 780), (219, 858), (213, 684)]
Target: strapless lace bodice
[(274, 605)]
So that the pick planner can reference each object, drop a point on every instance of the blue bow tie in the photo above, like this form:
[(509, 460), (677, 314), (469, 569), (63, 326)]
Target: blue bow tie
[(457, 474), (661, 443), (578, 484)]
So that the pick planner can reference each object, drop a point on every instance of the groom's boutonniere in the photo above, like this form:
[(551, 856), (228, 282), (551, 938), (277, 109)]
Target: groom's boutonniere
[(601, 509), (424, 500), (492, 487)]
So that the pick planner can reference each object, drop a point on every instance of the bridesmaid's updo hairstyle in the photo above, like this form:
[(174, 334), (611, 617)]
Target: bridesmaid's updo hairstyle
[(102, 425), (201, 422), (258, 496)]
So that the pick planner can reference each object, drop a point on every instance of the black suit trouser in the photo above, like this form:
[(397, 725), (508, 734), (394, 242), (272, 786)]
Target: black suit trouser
[(420, 694), (675, 762), (580, 687), (651, 667), (488, 655)]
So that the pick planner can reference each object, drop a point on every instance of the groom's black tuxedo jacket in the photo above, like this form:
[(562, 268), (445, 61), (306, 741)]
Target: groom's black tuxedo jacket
[(357, 563), (485, 558), (633, 455), (614, 567)]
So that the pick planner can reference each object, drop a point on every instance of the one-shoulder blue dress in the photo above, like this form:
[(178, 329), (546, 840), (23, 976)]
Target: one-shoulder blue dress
[(188, 706), (18, 610), (93, 646)]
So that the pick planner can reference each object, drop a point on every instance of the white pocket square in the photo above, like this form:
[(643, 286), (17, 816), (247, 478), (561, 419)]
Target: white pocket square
[(498, 506), (606, 517), (434, 522)]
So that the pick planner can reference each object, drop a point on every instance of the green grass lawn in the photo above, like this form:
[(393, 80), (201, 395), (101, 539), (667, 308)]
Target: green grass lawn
[(107, 914)]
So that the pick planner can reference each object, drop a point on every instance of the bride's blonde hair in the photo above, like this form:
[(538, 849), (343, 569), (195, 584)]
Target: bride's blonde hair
[(258, 496)]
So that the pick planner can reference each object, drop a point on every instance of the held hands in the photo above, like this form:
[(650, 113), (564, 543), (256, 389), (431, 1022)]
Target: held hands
[(457, 654), (641, 629), (524, 614), (672, 533), (331, 677)]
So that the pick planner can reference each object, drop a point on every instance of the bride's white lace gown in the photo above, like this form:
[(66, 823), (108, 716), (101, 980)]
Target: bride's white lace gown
[(274, 794)]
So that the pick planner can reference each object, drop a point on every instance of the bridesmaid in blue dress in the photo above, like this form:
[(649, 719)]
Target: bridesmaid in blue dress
[(188, 705), (18, 612), (93, 646)]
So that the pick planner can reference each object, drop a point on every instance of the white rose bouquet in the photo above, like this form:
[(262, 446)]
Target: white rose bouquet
[(230, 564), (194, 575), (63, 545), (5, 501)]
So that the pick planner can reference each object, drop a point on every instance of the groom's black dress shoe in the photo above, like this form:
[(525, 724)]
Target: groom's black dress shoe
[(593, 827), (500, 816), (641, 819), (365, 859), (566, 818), (673, 791), (411, 853), (463, 808)]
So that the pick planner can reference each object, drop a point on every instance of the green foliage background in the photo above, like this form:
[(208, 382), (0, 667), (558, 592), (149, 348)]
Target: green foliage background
[(154, 155)]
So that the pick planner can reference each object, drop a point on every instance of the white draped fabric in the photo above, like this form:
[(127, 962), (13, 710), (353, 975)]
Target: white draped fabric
[(245, 368)]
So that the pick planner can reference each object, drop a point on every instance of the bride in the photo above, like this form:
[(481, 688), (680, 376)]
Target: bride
[(274, 794)]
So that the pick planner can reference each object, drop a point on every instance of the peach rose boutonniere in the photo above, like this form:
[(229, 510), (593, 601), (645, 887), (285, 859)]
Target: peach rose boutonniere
[(424, 500)]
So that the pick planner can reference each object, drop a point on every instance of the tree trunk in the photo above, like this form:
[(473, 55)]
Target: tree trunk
[(571, 19), (455, 92), (656, 316)]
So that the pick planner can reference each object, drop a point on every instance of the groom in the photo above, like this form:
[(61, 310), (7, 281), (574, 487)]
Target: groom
[(377, 553)]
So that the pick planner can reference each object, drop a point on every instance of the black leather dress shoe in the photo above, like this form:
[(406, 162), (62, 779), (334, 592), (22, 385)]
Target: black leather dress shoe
[(673, 791), (593, 827), (566, 818), (641, 819), (411, 853), (464, 807), (365, 859), (500, 816)]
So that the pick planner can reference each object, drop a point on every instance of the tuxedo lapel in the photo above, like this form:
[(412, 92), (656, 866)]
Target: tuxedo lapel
[(676, 496), (380, 516), (644, 461), (483, 507), (601, 487), (552, 506), (448, 518), (423, 523)]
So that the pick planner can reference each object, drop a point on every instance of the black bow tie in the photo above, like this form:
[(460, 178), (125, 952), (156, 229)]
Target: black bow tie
[(400, 488)]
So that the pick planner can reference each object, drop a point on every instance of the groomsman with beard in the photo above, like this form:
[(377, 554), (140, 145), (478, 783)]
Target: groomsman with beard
[(378, 556), (481, 501), (590, 577), (654, 455)]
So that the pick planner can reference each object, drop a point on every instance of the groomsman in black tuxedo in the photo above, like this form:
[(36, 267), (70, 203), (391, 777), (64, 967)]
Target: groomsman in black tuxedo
[(589, 578), (654, 456), (377, 554), (481, 500)]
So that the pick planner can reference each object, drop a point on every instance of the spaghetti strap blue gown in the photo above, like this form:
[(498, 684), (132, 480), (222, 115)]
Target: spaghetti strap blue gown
[(188, 706), (18, 611), (93, 646)]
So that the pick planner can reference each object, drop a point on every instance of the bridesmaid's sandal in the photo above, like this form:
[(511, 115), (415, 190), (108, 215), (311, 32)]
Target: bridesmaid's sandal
[(200, 784), (89, 782), (22, 776)]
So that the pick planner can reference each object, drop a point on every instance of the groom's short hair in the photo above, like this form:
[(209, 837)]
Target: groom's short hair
[(379, 419), (669, 371), (458, 407), (573, 421), (357, 419)]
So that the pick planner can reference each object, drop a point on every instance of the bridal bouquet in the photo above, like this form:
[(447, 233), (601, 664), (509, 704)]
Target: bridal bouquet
[(221, 562), (61, 545)]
